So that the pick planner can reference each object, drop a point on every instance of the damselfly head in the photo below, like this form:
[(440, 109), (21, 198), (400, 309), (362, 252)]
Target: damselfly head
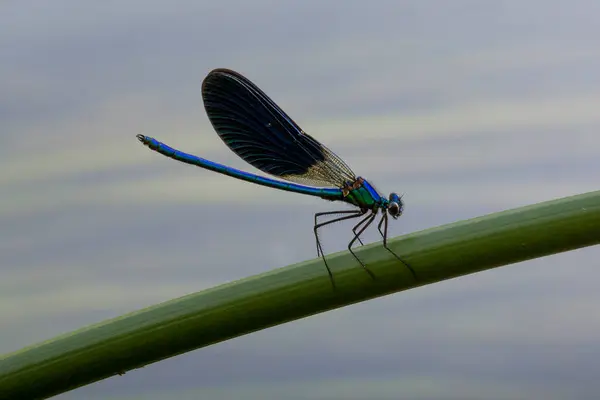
[(395, 205)]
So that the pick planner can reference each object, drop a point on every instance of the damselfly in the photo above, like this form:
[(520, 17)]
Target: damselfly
[(262, 134)]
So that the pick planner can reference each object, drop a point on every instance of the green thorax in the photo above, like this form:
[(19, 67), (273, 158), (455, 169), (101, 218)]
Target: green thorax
[(362, 194)]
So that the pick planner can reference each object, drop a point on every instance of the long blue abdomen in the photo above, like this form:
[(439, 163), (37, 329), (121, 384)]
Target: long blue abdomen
[(324, 193)]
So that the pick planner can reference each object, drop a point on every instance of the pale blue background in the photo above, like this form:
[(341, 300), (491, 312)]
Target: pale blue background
[(466, 107)]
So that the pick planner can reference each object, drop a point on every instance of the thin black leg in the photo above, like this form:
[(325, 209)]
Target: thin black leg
[(355, 214), (369, 220), (385, 217), (321, 214), (384, 220), (362, 221), (356, 227)]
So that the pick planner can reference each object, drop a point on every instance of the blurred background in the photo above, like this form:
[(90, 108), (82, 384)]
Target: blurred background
[(466, 107)]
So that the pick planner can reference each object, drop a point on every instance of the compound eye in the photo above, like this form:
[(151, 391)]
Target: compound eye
[(394, 209)]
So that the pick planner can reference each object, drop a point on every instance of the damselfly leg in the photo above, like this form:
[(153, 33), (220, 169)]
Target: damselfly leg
[(356, 227), (384, 221), (353, 214), (369, 220)]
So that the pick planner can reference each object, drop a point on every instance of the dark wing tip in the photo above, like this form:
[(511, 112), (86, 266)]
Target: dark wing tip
[(215, 76), (222, 71)]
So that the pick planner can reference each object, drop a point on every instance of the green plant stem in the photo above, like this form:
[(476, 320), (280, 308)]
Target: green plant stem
[(258, 302)]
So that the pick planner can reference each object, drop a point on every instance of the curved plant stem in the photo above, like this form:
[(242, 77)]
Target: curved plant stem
[(258, 302)]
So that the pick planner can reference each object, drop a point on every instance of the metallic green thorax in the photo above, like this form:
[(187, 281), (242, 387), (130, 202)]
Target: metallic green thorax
[(361, 194)]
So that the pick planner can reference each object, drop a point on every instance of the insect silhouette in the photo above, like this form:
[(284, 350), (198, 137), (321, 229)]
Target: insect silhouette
[(262, 134)]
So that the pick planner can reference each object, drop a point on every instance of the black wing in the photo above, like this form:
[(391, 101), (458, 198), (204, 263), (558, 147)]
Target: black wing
[(261, 133)]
